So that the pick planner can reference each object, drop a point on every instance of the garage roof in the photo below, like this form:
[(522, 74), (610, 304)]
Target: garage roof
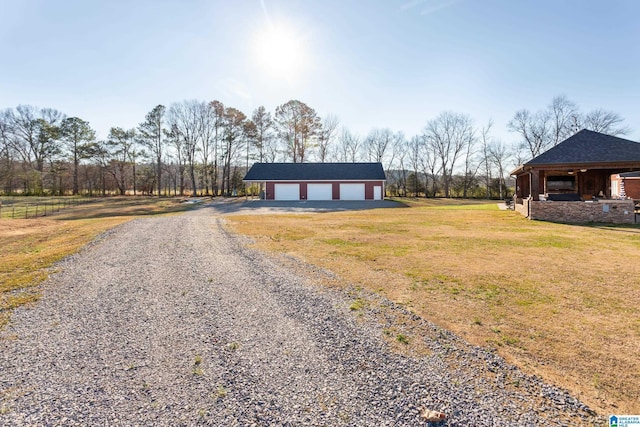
[(315, 172)]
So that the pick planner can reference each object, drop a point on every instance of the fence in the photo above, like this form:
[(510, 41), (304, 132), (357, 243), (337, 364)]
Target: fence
[(24, 208)]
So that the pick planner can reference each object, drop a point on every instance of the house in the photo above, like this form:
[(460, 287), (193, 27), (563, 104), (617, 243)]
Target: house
[(580, 180), (319, 181), (626, 184)]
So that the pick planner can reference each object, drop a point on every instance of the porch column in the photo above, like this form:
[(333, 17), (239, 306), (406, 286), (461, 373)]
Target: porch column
[(535, 184)]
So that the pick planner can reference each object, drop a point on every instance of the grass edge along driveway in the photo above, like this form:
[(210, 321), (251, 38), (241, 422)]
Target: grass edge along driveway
[(30, 247), (560, 301)]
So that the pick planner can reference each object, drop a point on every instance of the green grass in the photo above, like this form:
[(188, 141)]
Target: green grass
[(358, 304), (402, 339)]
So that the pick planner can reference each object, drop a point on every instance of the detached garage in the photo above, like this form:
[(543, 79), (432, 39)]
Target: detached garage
[(319, 181)]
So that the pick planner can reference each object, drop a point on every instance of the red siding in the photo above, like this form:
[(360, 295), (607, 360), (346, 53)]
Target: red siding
[(303, 191), (271, 190)]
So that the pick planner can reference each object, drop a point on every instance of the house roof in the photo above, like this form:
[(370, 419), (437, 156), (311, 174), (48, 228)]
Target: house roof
[(588, 146), (635, 174), (315, 172)]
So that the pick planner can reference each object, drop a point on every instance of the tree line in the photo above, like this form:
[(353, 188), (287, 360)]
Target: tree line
[(204, 148)]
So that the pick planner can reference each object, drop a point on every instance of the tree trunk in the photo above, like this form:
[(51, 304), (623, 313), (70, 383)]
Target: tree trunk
[(159, 175)]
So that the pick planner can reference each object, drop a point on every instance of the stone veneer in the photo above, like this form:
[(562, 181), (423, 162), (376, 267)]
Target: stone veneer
[(607, 211)]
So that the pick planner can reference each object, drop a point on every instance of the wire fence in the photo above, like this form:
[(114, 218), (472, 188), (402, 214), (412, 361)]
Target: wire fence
[(25, 208)]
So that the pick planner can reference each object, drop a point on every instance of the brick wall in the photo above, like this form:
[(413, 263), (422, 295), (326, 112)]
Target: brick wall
[(609, 211), (632, 188)]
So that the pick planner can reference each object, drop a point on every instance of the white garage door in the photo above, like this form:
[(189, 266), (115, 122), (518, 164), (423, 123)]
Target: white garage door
[(287, 191), (351, 191), (319, 191)]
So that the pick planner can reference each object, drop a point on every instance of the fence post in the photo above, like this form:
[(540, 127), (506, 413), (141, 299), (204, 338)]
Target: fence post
[(26, 211), (36, 211)]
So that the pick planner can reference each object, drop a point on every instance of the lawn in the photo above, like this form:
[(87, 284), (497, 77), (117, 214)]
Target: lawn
[(560, 301), (30, 247)]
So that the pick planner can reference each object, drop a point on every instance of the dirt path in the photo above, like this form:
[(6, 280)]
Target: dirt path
[(172, 321)]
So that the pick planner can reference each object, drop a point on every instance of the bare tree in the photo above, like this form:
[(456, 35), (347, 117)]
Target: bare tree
[(414, 149), (561, 119), (499, 155), (563, 113), (471, 165), (176, 141), (378, 143), (34, 135), (429, 164), (151, 133), (260, 133), (350, 145), (119, 148), (534, 130), (208, 133), (218, 124), (25, 131), (603, 121), (326, 135), (449, 134), (298, 125), (400, 156), (233, 138), (6, 151), (184, 118), (485, 140)]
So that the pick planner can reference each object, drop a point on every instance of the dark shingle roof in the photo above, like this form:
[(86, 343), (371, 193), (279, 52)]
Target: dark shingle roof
[(315, 172), (589, 147), (635, 174)]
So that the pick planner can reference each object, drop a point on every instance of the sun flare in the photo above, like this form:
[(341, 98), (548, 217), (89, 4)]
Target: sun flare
[(279, 50)]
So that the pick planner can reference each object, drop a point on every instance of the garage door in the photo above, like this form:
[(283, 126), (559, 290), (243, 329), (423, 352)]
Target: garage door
[(319, 191), (351, 191), (287, 191)]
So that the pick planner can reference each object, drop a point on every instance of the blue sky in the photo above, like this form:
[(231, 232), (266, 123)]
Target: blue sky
[(391, 63)]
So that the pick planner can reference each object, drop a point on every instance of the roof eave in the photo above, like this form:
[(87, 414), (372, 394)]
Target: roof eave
[(575, 165), (517, 171)]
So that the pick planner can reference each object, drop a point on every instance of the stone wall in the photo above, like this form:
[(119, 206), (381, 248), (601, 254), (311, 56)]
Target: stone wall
[(522, 207), (608, 211)]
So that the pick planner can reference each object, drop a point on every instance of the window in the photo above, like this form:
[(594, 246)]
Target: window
[(615, 188)]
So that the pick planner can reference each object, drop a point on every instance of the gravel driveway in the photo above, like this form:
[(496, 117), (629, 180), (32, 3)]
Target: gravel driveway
[(173, 321)]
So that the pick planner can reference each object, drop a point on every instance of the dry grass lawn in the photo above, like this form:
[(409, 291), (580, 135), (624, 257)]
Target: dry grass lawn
[(560, 301), (29, 247)]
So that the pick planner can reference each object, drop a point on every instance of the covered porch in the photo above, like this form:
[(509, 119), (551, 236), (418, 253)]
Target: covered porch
[(577, 181)]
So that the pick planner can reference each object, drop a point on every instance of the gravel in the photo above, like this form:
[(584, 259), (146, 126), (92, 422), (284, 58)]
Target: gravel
[(174, 321)]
